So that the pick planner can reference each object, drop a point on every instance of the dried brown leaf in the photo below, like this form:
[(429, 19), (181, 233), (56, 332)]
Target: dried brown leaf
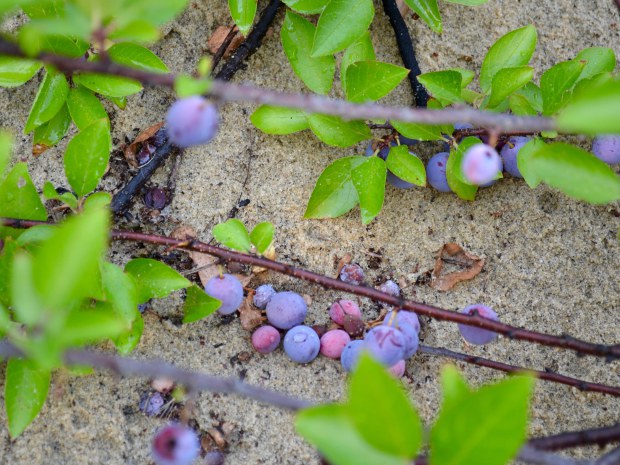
[(453, 254), (249, 315), (131, 150), (219, 36)]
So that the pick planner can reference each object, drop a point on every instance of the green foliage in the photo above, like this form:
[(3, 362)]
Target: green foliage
[(49, 100), (198, 305), (19, 196), (306, 6), (337, 132), (360, 50), (556, 83), (454, 173), (154, 279), (406, 166), (17, 71), (242, 12), (428, 11), (279, 120), (262, 236), (368, 178), (234, 234), (50, 133), (445, 86), (372, 80), (594, 111), (506, 81)]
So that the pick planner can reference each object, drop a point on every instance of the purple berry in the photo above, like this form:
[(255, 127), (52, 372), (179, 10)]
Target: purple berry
[(214, 457), (386, 344), (302, 344), (481, 164), (155, 198), (411, 339), (228, 289), (402, 317), (474, 335), (350, 354), (175, 444), (391, 177), (192, 121), (263, 295), (390, 287), (461, 126), (352, 274), (398, 369), (343, 307), (607, 148), (151, 403), (509, 153), (333, 343), (436, 172), (265, 339), (286, 309), (406, 141)]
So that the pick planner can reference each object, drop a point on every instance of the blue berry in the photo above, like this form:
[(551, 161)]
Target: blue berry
[(214, 457), (228, 289), (406, 141), (402, 317), (333, 343), (398, 369), (474, 335), (386, 344), (481, 164), (390, 287), (192, 121), (509, 154), (411, 339), (607, 148), (436, 172), (175, 444), (350, 354), (265, 339), (302, 344), (352, 274), (151, 403), (263, 295), (286, 309), (391, 177)]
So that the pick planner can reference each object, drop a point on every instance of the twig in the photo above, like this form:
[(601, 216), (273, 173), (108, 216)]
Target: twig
[(596, 436), (530, 455), (192, 380), (252, 42), (223, 47), (511, 332), (610, 458), (407, 52), (228, 91)]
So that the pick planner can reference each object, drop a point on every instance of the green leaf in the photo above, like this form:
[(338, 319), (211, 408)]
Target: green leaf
[(508, 80), (279, 120), (533, 94), (16, 71), (445, 86), (110, 86), (577, 173), (85, 108), (60, 44), (121, 291), (66, 264), (233, 234), (454, 172), (25, 391), (155, 12), (556, 82), (262, 236), (598, 60), (87, 157), (6, 271), (97, 200), (372, 80), (500, 412), (90, 326), (334, 193), (341, 23), (127, 342), (136, 56), (467, 76), (186, 86), (454, 388), (520, 106), (406, 166), (20, 198), (331, 430), (154, 278), (35, 235), (49, 100), (6, 145), (139, 30), (306, 6), (369, 181), (468, 2), (360, 50), (338, 132), (524, 158), (50, 133), (381, 411), (511, 50), (595, 111), (198, 304), (297, 35), (428, 11), (418, 131), (242, 12), (27, 307)]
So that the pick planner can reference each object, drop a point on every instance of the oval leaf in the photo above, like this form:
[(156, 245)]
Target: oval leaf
[(233, 234), (360, 50), (243, 12), (136, 56), (369, 181), (20, 198), (198, 305), (508, 80), (595, 111), (279, 120), (84, 107), (16, 71), (49, 100), (372, 80), (338, 132), (454, 172), (110, 86), (428, 10), (154, 278), (556, 82), (306, 6), (597, 60), (406, 166), (50, 133), (445, 86), (262, 236)]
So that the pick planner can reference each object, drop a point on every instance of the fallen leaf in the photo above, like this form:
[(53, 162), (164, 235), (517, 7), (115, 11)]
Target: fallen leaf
[(132, 149), (402, 7), (453, 254), (343, 261), (270, 253), (219, 36)]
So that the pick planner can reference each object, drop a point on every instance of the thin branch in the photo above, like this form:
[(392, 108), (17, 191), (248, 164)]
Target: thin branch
[(252, 42), (610, 458), (407, 51), (596, 436), (544, 375), (534, 456), (511, 332), (192, 380), (228, 91), (223, 47)]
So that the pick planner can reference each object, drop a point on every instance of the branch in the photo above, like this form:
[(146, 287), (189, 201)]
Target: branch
[(530, 455), (511, 332), (192, 380), (407, 52), (613, 456), (227, 91), (544, 375), (253, 41), (596, 436)]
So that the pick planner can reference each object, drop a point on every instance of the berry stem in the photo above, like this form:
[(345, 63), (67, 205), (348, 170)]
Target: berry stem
[(611, 352)]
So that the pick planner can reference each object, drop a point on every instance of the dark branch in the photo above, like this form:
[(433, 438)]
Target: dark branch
[(511, 332), (407, 51), (610, 458), (223, 47), (597, 436)]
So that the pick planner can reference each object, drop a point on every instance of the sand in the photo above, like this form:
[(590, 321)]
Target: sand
[(551, 262)]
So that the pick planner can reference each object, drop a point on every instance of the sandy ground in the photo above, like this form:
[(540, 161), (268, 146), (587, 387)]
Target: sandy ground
[(552, 263)]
